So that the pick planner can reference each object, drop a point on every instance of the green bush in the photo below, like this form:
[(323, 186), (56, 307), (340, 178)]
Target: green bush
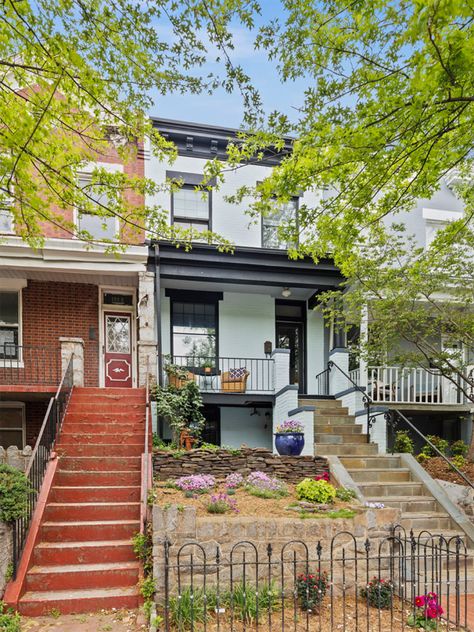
[(459, 461), (379, 593), (311, 589), (403, 442), (9, 620), (459, 448), (438, 442), (315, 491), (422, 458), (345, 494), (14, 491)]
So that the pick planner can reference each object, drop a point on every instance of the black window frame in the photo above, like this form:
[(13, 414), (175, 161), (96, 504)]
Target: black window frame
[(193, 186), (15, 328), (295, 198)]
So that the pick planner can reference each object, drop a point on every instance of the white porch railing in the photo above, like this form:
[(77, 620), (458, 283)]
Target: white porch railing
[(411, 386)]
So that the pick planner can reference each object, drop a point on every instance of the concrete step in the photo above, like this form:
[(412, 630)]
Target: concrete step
[(81, 494), (337, 438), (100, 406), (35, 604), (434, 522), (87, 552), (97, 463), (112, 398), (415, 504), (346, 448), (88, 530), (380, 475), (82, 576), (100, 449), (382, 461), (104, 392), (100, 419), (92, 479), (86, 511), (329, 428), (383, 491)]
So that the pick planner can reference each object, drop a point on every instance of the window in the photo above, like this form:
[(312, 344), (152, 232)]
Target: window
[(191, 208), (193, 331), (98, 227), (286, 212), (9, 324), (6, 218), (12, 426)]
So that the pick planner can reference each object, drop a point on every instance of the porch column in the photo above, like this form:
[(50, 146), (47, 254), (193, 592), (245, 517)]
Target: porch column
[(338, 382), (281, 375), (364, 333), (147, 346), (74, 346)]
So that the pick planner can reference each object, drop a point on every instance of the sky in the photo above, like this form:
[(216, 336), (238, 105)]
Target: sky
[(225, 109)]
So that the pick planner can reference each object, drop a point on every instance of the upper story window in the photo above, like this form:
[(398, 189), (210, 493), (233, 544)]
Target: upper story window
[(9, 324), (191, 208), (193, 330), (286, 212), (98, 227), (6, 218)]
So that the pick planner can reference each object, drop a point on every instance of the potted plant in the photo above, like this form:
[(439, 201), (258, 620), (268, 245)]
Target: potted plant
[(178, 376), (289, 438), (207, 366)]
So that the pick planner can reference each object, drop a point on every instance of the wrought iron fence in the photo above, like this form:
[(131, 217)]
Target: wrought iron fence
[(400, 582), (25, 365), (222, 375), (36, 469)]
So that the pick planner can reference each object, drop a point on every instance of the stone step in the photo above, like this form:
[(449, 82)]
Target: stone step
[(334, 420), (435, 522), (329, 428), (383, 491), (415, 504), (339, 439), (380, 475), (346, 448), (382, 461), (332, 413), (320, 403)]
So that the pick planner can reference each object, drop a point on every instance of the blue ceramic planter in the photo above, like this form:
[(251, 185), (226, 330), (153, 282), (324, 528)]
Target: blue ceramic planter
[(289, 443)]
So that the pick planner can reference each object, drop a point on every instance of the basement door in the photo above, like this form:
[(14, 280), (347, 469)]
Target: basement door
[(118, 349)]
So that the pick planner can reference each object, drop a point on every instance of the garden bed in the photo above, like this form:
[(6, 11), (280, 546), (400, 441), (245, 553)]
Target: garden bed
[(438, 468)]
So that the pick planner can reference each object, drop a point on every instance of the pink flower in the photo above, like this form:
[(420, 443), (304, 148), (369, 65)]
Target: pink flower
[(420, 601), (432, 596), (432, 613)]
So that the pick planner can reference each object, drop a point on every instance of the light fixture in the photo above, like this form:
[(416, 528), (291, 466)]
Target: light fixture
[(286, 292)]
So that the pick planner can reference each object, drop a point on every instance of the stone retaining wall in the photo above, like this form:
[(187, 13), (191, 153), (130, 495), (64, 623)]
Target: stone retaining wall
[(15, 457), (180, 526), (219, 463), (6, 551)]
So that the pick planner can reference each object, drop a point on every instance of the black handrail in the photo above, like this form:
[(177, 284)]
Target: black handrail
[(389, 418), (322, 382), (40, 456)]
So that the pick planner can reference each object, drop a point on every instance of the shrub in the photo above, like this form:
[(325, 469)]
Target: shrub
[(379, 593), (459, 448), (197, 483), (345, 494), (315, 491), (438, 442), (234, 480), (403, 442), (422, 458), (264, 486), (143, 549), (459, 461), (311, 589), (9, 620), (221, 504), (14, 492)]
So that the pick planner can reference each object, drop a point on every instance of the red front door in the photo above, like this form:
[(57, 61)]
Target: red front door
[(118, 349)]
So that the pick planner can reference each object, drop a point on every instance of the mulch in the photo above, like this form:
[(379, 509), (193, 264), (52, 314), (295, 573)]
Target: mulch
[(438, 468)]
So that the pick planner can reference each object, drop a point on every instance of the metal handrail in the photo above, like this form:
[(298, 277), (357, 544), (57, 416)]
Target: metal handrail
[(146, 470), (388, 416)]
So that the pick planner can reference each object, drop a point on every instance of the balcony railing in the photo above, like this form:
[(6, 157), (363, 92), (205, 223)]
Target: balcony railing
[(29, 365), (221, 375), (412, 386)]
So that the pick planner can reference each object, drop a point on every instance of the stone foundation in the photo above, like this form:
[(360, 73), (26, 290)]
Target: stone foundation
[(220, 463), (180, 526), (15, 457), (6, 551)]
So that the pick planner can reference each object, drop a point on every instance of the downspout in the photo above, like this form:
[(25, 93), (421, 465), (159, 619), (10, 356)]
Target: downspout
[(158, 315)]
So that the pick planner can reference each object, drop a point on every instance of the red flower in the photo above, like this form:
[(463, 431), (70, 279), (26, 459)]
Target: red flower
[(432, 613), (420, 601)]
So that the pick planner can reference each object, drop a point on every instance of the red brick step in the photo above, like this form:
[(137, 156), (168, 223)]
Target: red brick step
[(77, 576), (81, 494), (101, 449), (86, 552), (73, 512), (88, 530), (93, 479), (36, 604), (95, 463)]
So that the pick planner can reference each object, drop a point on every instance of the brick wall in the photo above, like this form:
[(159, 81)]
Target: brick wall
[(52, 310)]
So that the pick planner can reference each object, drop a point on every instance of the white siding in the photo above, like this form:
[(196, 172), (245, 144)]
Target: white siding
[(237, 427), (316, 362)]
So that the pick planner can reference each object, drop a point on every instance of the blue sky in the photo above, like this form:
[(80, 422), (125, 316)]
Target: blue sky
[(225, 109)]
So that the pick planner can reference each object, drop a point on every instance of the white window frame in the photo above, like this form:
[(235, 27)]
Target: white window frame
[(15, 285), (20, 405), (11, 231)]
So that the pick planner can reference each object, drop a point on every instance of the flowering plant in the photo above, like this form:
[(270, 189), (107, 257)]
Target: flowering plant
[(197, 483), (315, 491), (427, 612), (290, 425), (322, 477), (234, 480), (221, 503), (265, 486), (379, 593), (375, 505), (311, 589)]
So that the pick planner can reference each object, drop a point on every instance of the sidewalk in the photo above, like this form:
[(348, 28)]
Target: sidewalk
[(118, 621)]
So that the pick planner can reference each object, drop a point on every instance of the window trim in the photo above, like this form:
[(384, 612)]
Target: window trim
[(192, 220), (20, 405), (18, 362), (193, 300), (297, 208)]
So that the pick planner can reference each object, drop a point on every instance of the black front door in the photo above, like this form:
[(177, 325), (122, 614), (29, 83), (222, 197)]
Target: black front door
[(291, 336)]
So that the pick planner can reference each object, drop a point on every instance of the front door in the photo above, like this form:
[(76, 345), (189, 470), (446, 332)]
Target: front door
[(118, 349), (291, 336)]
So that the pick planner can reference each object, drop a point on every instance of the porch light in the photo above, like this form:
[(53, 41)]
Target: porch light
[(286, 292), (267, 348)]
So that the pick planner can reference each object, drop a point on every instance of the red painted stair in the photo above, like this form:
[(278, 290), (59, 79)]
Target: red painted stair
[(83, 560)]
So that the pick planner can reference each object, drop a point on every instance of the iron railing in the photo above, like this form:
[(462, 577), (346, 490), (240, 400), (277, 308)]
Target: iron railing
[(293, 586), (40, 456), (25, 365), (322, 383), (224, 375), (146, 473)]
